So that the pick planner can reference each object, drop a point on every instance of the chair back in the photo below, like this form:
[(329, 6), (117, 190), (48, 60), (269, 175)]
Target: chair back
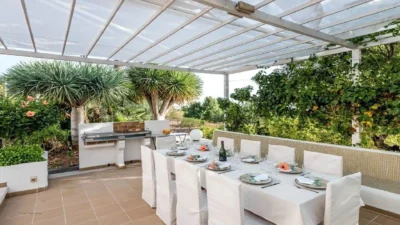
[(250, 147), (165, 142), (189, 194), (225, 202), (228, 143), (342, 205), (323, 163), (165, 189), (148, 176), (281, 153)]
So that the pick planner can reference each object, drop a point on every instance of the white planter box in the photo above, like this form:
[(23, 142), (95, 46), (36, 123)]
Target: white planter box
[(18, 177)]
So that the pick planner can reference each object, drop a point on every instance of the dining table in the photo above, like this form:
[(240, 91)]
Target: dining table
[(282, 204)]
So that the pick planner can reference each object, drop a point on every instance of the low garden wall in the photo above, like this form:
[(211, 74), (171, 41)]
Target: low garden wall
[(380, 169)]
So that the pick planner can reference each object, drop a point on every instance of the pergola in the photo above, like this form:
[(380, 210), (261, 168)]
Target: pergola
[(204, 36)]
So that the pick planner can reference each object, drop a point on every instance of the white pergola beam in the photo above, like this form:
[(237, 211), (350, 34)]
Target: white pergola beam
[(180, 27), (354, 4), (146, 24), (229, 6), (286, 13), (71, 14), (214, 62), (217, 26), (100, 61), (28, 23), (105, 27), (3, 43)]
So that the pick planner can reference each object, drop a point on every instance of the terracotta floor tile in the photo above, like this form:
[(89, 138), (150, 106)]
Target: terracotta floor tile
[(108, 210), (368, 214), (149, 220), (25, 199), (50, 194), (73, 192), (17, 209), (48, 214), (135, 183), (91, 222), (19, 220), (116, 219), (363, 221), (54, 221), (99, 202), (81, 217), (75, 200), (124, 194), (71, 209), (132, 203), (385, 220), (139, 213), (48, 204)]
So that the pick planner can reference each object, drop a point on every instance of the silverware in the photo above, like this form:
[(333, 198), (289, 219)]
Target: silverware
[(269, 185), (306, 189), (226, 171)]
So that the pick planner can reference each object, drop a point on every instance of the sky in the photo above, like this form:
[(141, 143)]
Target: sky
[(213, 83)]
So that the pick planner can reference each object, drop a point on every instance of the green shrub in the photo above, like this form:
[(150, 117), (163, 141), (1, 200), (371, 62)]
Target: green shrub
[(49, 138), (191, 123), (17, 154)]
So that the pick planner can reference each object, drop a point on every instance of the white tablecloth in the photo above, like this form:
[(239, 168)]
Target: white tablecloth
[(282, 204)]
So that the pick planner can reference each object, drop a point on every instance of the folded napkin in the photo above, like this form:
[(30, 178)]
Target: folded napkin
[(248, 160), (224, 165), (305, 180), (261, 177), (182, 148), (180, 152)]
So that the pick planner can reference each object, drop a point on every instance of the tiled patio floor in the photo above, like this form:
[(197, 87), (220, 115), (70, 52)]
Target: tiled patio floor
[(108, 197)]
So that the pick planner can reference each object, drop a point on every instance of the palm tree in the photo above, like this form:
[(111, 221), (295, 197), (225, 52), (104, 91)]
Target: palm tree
[(73, 84), (162, 89)]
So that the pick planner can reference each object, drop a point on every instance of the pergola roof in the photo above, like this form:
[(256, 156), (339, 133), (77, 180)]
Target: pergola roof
[(188, 35)]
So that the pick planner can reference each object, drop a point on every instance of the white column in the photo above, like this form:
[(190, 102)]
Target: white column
[(226, 86), (120, 149), (356, 59)]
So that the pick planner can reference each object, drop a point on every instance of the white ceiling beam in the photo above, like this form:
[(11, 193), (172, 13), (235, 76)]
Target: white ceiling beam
[(146, 24), (354, 4), (100, 61), (28, 23), (105, 27), (256, 48), (71, 15), (198, 15), (217, 26), (296, 9), (3, 43), (229, 6)]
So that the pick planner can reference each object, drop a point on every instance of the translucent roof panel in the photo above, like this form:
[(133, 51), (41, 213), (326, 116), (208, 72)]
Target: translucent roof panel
[(13, 28), (42, 15), (185, 34), (89, 18), (130, 17), (167, 21)]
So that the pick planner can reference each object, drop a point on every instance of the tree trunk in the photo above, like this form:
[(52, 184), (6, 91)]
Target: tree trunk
[(159, 117), (77, 117)]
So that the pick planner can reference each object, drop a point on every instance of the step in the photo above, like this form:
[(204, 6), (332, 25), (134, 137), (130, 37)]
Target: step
[(3, 193)]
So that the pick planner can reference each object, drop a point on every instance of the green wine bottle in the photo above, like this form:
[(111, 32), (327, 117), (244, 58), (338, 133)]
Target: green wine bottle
[(222, 153)]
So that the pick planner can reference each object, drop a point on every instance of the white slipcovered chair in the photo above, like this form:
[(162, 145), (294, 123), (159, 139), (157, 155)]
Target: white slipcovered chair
[(165, 189), (228, 143), (191, 207), (250, 147), (323, 163), (280, 153), (165, 142), (225, 202), (342, 204), (148, 176)]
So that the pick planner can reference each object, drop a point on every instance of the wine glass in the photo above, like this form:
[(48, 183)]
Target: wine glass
[(236, 158)]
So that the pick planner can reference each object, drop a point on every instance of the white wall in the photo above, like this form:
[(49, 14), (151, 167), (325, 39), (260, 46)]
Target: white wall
[(18, 177)]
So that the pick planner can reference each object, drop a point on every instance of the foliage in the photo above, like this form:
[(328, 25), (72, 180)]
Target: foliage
[(17, 154), (191, 123), (71, 83), (162, 89), (209, 128), (123, 111), (17, 124), (209, 110), (175, 115), (49, 138)]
